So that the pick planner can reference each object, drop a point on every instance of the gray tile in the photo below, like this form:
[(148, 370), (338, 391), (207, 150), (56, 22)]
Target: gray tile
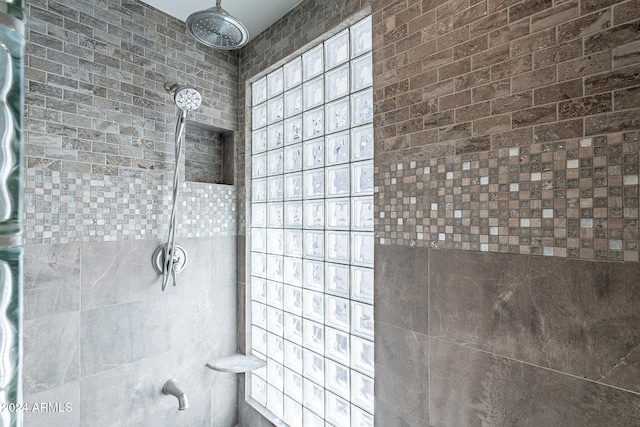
[(67, 396), (224, 260), (401, 287)]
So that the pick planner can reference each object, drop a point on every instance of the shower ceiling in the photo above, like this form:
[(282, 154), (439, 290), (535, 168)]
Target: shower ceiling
[(256, 15)]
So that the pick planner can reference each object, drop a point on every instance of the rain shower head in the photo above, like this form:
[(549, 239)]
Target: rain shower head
[(186, 97), (217, 29)]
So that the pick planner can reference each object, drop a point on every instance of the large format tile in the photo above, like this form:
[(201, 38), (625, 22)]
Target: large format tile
[(66, 397), (470, 387), (223, 260), (578, 317), (51, 279), (401, 287)]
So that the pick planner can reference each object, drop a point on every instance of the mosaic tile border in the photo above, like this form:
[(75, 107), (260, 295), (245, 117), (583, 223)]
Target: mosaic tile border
[(63, 207), (575, 199)]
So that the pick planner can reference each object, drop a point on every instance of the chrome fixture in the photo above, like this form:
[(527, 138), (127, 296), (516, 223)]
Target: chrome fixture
[(172, 388), (214, 27), (169, 259)]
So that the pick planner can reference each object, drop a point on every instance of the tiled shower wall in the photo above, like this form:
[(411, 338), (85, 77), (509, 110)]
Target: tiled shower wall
[(99, 333), (507, 212)]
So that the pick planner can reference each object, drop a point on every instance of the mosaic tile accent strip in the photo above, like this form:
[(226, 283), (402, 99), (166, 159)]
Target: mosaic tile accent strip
[(575, 199), (63, 207)]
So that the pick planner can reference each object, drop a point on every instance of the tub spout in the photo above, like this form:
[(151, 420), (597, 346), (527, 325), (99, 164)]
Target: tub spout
[(172, 388)]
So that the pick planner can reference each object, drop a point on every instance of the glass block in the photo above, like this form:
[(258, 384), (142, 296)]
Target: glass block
[(293, 356), (275, 184), (313, 305), (337, 115), (337, 49), (362, 249), (362, 175), (362, 284), (275, 215), (337, 181), (275, 241), (337, 279), (275, 82), (293, 243), (314, 244), (293, 158), (275, 267), (293, 73), (275, 344), (337, 379), (362, 210), (258, 240), (337, 148), (362, 319), (362, 143), (275, 109), (275, 294), (313, 337), (312, 62), (293, 102), (293, 385), (362, 356), (313, 367), (338, 246), (293, 214), (258, 289), (258, 339), (314, 184), (313, 93), (362, 390), (337, 345), (258, 212), (259, 140), (275, 379), (362, 76), (361, 37), (293, 186), (337, 83), (293, 130), (313, 123), (292, 410), (275, 136), (292, 323), (258, 264), (337, 314), (314, 214), (360, 418), (313, 153), (259, 116), (259, 91), (338, 410), (313, 398), (259, 165), (362, 107), (338, 213), (259, 314), (309, 419), (313, 274), (258, 389), (276, 161), (293, 271)]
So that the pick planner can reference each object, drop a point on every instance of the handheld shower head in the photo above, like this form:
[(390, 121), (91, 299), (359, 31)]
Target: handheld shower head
[(186, 98), (214, 27)]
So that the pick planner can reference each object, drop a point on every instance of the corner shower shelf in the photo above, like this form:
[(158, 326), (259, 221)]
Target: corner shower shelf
[(237, 363)]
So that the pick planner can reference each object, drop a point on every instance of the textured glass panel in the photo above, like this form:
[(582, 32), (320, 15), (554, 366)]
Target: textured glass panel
[(275, 188), (362, 390), (313, 305), (338, 379), (259, 389), (338, 410), (338, 181), (258, 214), (337, 279), (259, 140), (314, 214), (293, 186), (259, 339), (275, 215), (275, 82), (293, 73), (309, 419), (362, 142), (314, 183), (275, 344), (360, 418), (275, 109), (259, 91), (259, 240), (313, 274), (293, 243), (337, 83), (361, 37), (276, 162), (362, 246), (313, 337), (338, 213), (314, 153), (337, 115), (338, 246), (293, 102), (275, 241), (293, 271), (275, 136), (274, 388), (275, 268), (259, 264), (312, 62), (292, 384), (313, 398), (362, 284), (337, 148), (362, 214), (313, 123), (313, 367), (292, 409), (362, 175), (293, 158), (293, 356), (337, 49), (313, 93), (337, 312), (337, 345), (275, 292), (361, 77), (292, 323), (362, 319), (362, 356), (259, 289), (259, 167), (314, 244), (259, 116), (259, 314), (293, 214), (293, 130), (362, 107)]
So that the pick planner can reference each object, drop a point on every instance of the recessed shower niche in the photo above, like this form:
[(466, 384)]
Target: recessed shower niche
[(208, 154)]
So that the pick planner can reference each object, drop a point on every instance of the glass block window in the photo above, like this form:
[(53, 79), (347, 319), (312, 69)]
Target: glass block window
[(311, 234)]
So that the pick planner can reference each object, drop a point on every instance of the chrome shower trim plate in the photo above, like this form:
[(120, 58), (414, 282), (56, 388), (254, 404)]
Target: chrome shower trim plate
[(157, 259)]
